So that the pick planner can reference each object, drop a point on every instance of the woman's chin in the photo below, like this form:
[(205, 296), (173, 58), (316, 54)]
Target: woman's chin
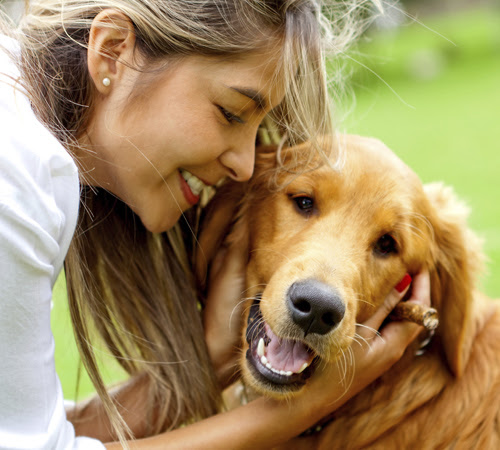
[(160, 224)]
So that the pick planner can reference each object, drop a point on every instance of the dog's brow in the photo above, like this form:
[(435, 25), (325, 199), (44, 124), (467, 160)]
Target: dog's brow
[(252, 94)]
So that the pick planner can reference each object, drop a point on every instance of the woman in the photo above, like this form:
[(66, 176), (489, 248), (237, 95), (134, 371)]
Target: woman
[(133, 107)]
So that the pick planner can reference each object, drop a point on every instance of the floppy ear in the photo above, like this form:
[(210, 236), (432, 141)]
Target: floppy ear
[(456, 259)]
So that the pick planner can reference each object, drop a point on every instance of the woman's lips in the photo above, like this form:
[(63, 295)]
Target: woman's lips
[(191, 186), (188, 193)]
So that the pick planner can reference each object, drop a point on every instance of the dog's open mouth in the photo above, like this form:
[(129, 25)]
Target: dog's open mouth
[(281, 364)]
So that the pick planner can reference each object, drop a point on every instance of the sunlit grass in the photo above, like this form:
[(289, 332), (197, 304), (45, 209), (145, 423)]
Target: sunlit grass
[(67, 359)]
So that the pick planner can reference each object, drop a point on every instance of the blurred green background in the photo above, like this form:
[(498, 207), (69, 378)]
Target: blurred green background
[(430, 89), (431, 92)]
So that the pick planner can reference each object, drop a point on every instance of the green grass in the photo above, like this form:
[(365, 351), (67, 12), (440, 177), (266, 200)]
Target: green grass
[(68, 366), (444, 124), (450, 132)]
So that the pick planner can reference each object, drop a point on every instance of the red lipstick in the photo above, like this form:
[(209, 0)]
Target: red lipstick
[(188, 194)]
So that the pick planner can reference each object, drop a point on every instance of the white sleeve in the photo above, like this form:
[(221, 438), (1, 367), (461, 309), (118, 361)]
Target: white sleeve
[(38, 210)]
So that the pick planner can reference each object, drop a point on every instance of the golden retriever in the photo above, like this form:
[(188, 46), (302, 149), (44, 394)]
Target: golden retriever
[(325, 251)]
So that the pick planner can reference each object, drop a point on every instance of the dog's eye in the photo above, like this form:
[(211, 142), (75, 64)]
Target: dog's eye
[(386, 245), (304, 203)]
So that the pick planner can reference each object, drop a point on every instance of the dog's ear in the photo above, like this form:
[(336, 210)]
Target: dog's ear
[(456, 259)]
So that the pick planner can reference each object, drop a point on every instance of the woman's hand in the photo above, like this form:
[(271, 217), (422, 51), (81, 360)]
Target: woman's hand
[(223, 311), (373, 353)]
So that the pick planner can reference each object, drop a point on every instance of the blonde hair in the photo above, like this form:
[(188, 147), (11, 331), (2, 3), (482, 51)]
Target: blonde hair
[(136, 286)]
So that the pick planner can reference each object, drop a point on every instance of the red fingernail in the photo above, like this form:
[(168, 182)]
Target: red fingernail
[(404, 283)]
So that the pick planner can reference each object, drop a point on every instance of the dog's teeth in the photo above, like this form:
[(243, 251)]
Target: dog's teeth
[(263, 360), (261, 347), (304, 367), (288, 373), (268, 365)]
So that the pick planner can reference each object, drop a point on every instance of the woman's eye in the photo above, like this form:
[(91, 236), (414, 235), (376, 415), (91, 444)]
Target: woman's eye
[(231, 118), (385, 245), (304, 203)]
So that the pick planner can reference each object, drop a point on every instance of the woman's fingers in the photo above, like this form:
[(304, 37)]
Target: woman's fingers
[(394, 337), (405, 332), (226, 287), (421, 288), (223, 309), (394, 297)]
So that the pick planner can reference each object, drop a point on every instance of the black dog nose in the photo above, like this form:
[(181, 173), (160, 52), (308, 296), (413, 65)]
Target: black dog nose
[(315, 306)]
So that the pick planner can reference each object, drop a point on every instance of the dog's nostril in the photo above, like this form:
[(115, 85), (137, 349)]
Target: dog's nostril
[(315, 306), (303, 306), (328, 319)]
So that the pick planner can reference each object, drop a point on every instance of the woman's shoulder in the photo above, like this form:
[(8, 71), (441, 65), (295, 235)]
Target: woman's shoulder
[(38, 178), (27, 146), (39, 187), (29, 153), (24, 139)]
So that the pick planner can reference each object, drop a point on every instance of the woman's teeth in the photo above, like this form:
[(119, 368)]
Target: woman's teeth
[(195, 184)]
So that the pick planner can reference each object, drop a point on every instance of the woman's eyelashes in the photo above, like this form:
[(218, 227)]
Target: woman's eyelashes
[(230, 118)]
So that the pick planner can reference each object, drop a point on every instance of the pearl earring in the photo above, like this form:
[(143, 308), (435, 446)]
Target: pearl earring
[(106, 81)]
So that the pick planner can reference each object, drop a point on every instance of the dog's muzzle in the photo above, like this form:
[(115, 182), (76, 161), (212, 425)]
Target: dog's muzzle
[(279, 364)]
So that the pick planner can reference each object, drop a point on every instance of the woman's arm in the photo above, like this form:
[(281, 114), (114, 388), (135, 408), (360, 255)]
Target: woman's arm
[(90, 419)]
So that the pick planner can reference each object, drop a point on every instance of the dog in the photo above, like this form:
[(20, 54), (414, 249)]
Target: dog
[(326, 248)]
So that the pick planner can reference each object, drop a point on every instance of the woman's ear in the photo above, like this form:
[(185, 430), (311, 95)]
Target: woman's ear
[(110, 49)]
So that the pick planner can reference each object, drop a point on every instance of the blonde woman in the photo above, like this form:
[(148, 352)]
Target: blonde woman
[(114, 116)]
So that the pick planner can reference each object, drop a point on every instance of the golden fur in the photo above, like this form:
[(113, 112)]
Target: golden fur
[(446, 397)]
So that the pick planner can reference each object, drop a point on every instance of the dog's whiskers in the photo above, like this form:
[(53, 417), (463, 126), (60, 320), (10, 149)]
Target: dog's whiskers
[(375, 332), (341, 363), (359, 298), (256, 328), (234, 310), (360, 340)]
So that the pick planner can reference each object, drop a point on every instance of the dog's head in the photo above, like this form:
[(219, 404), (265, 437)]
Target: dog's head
[(328, 247)]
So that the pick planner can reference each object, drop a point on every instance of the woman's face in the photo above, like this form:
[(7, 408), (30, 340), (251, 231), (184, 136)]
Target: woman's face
[(157, 144)]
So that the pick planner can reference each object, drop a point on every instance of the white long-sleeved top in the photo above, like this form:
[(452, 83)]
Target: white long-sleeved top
[(39, 197)]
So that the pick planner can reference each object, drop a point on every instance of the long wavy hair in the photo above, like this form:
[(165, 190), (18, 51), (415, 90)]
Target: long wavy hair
[(137, 287)]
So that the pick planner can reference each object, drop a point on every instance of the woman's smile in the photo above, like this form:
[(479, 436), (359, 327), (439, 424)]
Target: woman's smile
[(191, 186)]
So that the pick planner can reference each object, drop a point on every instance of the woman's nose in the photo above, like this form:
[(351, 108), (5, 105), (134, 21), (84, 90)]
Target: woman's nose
[(239, 159)]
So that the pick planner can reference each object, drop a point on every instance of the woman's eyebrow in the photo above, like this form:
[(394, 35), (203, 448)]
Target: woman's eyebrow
[(252, 94)]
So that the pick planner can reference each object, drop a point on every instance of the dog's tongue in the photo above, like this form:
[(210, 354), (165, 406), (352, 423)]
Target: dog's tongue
[(286, 354)]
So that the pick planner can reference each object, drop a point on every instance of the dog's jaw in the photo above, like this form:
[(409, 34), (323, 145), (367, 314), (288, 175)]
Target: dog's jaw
[(276, 367)]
